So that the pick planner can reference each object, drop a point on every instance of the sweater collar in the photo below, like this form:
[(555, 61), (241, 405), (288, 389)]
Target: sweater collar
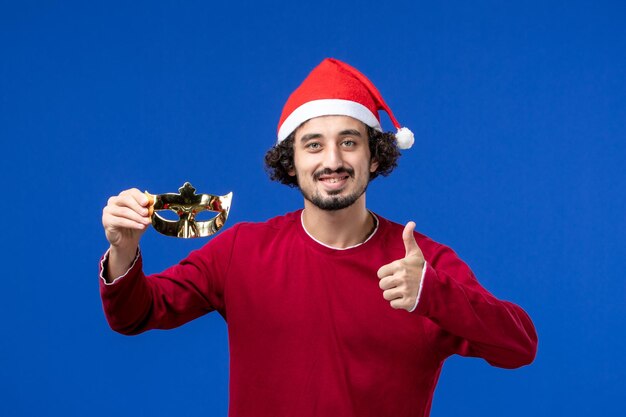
[(369, 237)]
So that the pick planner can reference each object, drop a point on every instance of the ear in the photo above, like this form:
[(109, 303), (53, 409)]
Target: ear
[(292, 172), (373, 165)]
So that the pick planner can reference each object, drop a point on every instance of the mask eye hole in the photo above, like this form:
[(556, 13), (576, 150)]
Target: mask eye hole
[(168, 215), (205, 215)]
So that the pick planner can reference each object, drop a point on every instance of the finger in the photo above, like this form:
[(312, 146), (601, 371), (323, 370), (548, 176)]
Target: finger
[(132, 201), (151, 199), (410, 245), (392, 294), (140, 197), (389, 269), (121, 223), (398, 304), (118, 218), (389, 283), (112, 213)]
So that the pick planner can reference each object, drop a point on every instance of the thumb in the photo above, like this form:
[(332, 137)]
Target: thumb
[(410, 245)]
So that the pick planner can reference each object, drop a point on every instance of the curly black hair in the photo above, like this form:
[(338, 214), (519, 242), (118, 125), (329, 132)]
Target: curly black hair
[(383, 149)]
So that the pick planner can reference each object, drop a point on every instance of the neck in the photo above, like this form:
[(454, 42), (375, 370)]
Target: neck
[(339, 228)]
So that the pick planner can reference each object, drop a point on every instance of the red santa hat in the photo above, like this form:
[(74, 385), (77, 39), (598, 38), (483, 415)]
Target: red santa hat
[(336, 88)]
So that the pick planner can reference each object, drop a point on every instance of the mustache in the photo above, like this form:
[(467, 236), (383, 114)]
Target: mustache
[(328, 171)]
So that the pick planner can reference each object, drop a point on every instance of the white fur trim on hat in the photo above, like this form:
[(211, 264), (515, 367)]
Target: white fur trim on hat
[(327, 107)]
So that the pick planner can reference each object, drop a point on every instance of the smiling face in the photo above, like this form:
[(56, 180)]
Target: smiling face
[(332, 161)]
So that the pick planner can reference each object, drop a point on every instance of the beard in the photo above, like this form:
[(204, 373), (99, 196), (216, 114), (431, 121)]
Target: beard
[(333, 201)]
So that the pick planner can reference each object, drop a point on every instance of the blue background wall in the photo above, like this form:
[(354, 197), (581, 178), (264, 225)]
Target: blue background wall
[(520, 117)]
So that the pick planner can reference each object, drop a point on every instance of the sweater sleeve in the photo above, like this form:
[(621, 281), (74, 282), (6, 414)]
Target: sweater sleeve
[(137, 302), (473, 321)]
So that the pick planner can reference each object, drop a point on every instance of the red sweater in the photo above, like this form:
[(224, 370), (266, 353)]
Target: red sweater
[(309, 331)]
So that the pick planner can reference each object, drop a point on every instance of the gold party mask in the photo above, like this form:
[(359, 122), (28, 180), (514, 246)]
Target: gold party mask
[(187, 204)]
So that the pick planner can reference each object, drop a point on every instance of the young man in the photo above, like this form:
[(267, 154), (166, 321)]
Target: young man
[(331, 310)]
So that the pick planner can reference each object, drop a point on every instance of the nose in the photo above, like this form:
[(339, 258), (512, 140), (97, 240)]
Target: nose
[(332, 158)]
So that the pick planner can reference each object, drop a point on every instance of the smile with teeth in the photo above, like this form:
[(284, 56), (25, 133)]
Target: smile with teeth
[(334, 180)]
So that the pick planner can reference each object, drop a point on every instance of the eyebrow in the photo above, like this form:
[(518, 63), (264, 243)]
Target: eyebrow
[(310, 136), (347, 132), (350, 132)]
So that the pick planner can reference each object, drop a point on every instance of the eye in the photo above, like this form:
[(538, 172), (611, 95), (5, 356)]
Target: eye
[(348, 143), (313, 146)]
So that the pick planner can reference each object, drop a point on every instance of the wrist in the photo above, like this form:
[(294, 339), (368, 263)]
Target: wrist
[(120, 260)]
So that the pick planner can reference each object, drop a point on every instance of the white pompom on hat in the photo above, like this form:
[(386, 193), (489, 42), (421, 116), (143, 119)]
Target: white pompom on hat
[(336, 88)]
